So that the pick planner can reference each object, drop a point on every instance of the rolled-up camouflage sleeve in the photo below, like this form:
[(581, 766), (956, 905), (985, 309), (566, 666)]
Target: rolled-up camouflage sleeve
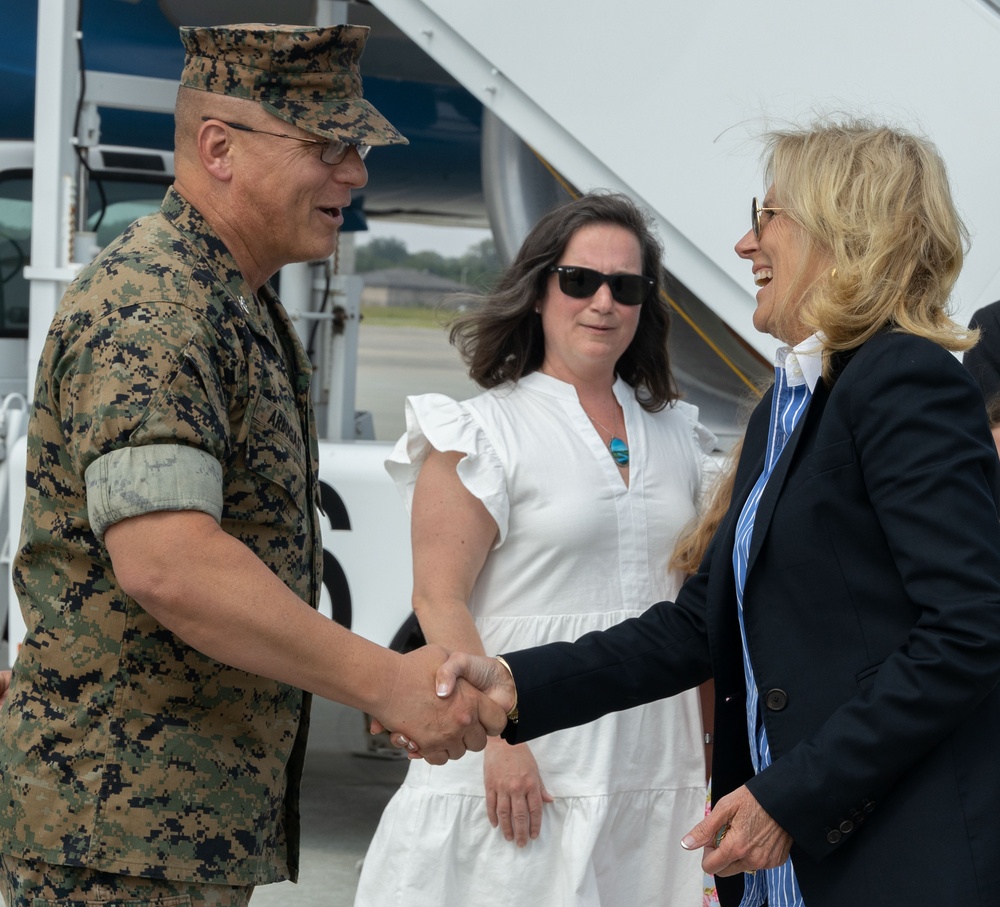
[(150, 424), (137, 480)]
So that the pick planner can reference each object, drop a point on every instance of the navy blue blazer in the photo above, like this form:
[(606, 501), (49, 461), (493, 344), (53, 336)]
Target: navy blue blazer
[(872, 609)]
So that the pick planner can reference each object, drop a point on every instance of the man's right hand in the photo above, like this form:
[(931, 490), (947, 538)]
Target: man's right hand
[(444, 726), (459, 672)]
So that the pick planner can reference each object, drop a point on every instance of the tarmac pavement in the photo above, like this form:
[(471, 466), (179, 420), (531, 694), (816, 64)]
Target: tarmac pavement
[(394, 362)]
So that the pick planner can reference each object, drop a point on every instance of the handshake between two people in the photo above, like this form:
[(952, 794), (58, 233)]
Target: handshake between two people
[(473, 695)]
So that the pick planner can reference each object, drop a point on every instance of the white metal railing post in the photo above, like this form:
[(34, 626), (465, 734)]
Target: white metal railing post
[(13, 422), (342, 370), (53, 188), (331, 12)]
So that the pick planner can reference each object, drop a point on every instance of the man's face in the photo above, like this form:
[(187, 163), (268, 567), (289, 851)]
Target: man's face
[(291, 201)]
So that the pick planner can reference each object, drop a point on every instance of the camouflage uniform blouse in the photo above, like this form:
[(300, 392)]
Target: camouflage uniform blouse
[(163, 385)]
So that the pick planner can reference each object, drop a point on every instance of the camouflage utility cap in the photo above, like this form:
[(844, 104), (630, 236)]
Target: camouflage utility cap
[(307, 76)]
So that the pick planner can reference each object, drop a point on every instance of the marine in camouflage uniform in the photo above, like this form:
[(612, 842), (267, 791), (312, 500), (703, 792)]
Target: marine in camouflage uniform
[(164, 385), (168, 384)]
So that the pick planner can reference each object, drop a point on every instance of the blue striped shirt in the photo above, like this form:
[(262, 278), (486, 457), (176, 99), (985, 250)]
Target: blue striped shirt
[(796, 373)]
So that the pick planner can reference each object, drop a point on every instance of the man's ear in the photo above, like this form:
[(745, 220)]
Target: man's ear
[(214, 150)]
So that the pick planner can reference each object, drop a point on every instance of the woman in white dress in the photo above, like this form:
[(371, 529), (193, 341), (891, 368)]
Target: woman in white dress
[(544, 508)]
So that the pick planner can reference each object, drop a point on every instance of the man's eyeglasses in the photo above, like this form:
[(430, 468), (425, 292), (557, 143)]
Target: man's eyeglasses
[(755, 212), (333, 151), (582, 283)]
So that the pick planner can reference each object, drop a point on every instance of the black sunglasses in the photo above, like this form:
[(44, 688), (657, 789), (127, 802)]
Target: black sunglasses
[(582, 283)]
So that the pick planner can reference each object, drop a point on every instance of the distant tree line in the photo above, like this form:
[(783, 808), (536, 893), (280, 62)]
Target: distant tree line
[(478, 268)]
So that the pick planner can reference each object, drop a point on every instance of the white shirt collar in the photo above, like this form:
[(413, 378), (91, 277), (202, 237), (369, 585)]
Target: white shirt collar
[(803, 363)]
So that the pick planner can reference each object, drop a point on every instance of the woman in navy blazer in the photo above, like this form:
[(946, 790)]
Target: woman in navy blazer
[(864, 605)]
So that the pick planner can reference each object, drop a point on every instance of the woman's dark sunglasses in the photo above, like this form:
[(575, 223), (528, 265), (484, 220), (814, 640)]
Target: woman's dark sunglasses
[(582, 283)]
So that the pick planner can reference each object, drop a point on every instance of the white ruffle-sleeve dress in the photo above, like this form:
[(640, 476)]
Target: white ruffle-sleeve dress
[(577, 550)]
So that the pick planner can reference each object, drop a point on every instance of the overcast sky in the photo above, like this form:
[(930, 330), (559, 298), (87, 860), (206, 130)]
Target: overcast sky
[(449, 242)]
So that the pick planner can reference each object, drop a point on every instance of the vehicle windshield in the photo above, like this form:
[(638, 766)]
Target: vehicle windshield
[(122, 201)]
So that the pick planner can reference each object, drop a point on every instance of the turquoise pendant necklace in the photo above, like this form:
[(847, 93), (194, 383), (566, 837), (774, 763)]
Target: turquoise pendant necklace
[(617, 447), (619, 451)]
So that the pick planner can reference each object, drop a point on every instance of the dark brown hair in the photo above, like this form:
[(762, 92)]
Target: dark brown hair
[(501, 338), (993, 410)]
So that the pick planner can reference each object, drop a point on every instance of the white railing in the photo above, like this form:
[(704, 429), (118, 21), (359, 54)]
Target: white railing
[(13, 422)]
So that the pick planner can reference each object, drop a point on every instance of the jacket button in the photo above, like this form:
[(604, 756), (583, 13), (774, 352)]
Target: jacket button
[(776, 700), (833, 836), (847, 826)]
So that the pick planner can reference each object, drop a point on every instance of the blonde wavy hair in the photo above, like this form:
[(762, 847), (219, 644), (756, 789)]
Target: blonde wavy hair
[(875, 201), (693, 542)]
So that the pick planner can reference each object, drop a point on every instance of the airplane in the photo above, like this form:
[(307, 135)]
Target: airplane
[(463, 165), (139, 37), (509, 108)]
